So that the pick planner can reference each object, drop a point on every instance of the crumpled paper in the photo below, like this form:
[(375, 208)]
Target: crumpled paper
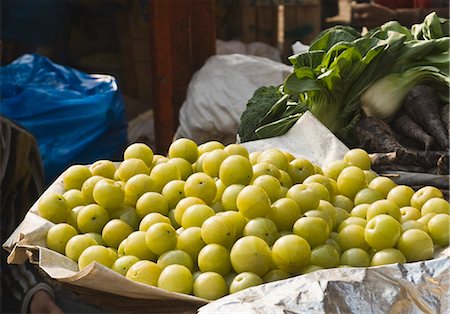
[(308, 138), (420, 287)]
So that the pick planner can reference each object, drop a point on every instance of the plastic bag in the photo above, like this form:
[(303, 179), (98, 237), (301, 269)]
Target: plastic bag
[(75, 117)]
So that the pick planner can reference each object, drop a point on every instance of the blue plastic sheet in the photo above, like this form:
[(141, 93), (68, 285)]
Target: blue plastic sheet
[(76, 118)]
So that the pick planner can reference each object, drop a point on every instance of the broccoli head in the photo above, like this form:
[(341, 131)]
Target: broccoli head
[(257, 107)]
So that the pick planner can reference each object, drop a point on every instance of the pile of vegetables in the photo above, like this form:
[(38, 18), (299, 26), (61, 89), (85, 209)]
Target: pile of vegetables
[(416, 139), (345, 76)]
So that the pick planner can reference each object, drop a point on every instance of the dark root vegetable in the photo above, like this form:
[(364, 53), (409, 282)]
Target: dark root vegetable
[(442, 164), (423, 104), (408, 142), (375, 135), (445, 115), (381, 169), (430, 159), (412, 161), (405, 125)]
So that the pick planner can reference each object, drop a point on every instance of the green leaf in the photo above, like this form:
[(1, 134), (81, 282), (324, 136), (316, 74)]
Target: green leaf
[(442, 45), (294, 85), (305, 72), (416, 31), (373, 53), (277, 109), (329, 37), (417, 50), (341, 70), (440, 61), (367, 44), (278, 127), (334, 52), (397, 27), (311, 59), (432, 26), (376, 33)]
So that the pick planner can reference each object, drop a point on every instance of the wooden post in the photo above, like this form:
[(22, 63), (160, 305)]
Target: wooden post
[(260, 21), (301, 22), (203, 31), (182, 37)]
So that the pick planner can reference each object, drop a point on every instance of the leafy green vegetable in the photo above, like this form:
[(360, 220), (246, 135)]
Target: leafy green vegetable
[(262, 100), (332, 89), (341, 66), (326, 38), (432, 27), (279, 127)]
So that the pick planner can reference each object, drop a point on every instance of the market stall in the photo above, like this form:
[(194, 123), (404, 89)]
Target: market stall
[(323, 189)]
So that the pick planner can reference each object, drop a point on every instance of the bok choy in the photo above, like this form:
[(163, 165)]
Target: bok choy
[(344, 72)]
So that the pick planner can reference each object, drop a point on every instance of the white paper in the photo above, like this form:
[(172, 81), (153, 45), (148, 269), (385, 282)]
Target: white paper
[(308, 138)]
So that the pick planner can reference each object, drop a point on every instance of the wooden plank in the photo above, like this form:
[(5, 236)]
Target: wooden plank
[(182, 55), (228, 19), (162, 61), (182, 37), (302, 23), (290, 21), (267, 24), (310, 15), (259, 21), (203, 31), (248, 21)]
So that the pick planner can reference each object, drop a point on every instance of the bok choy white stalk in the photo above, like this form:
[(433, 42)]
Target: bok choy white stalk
[(383, 99)]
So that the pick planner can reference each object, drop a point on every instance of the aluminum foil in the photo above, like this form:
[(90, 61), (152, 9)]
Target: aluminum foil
[(420, 287)]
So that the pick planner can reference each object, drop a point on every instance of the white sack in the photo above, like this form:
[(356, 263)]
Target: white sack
[(299, 47), (218, 93), (256, 48)]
